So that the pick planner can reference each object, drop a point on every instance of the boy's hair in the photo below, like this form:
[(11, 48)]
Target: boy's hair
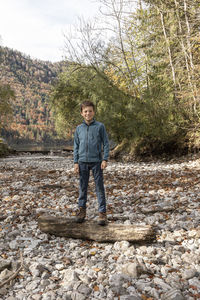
[(87, 103)]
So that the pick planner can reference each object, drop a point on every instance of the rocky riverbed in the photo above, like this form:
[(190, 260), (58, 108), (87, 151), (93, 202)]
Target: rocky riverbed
[(35, 265)]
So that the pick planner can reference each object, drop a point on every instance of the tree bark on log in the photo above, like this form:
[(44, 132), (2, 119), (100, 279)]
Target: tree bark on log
[(116, 151), (90, 230)]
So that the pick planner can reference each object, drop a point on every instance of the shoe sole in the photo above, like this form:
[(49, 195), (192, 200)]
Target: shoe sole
[(102, 223), (80, 220)]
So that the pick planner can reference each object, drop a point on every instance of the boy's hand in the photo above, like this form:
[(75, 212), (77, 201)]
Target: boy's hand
[(103, 164), (76, 168)]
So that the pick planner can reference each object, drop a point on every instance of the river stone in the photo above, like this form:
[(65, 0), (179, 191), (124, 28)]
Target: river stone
[(84, 278), (84, 289), (129, 297), (161, 283), (5, 274), (37, 297), (4, 264), (49, 296), (3, 291), (70, 277), (78, 296), (195, 282), (13, 245), (37, 269), (116, 279), (190, 258), (44, 283), (14, 234), (173, 279), (59, 267), (130, 269), (188, 274), (123, 245), (32, 285), (173, 294)]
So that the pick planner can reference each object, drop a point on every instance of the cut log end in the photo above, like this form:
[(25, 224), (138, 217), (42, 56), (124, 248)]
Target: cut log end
[(90, 230)]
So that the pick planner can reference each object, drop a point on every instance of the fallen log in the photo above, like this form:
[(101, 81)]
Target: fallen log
[(90, 230)]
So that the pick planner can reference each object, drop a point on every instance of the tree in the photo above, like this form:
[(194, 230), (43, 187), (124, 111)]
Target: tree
[(80, 83), (6, 95), (179, 21)]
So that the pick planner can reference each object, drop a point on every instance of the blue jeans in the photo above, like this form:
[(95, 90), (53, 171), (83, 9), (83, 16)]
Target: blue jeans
[(84, 172)]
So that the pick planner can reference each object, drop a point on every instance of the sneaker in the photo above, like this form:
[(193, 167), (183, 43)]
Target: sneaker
[(102, 218), (80, 217)]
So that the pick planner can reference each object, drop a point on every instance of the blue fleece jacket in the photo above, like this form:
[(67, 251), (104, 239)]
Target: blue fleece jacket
[(89, 141)]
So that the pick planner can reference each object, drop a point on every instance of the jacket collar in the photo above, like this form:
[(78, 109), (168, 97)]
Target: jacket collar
[(93, 121)]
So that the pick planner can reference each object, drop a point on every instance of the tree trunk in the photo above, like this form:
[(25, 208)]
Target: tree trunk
[(189, 48), (90, 230), (119, 148), (185, 49), (169, 50)]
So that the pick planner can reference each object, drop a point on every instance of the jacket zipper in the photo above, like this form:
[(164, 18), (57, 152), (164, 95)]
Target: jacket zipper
[(87, 143)]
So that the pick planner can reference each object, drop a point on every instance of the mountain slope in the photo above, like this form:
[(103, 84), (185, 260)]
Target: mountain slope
[(31, 80)]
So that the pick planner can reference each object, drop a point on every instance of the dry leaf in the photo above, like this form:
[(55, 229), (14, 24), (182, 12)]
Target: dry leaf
[(144, 297), (97, 269), (193, 287)]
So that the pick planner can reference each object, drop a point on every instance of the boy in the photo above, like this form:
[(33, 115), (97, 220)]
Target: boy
[(89, 138)]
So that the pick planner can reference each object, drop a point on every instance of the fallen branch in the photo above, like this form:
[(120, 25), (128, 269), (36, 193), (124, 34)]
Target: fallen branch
[(119, 148), (14, 275), (157, 210), (90, 230), (52, 186)]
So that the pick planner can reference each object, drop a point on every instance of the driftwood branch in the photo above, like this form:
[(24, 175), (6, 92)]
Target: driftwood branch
[(90, 230), (14, 275), (116, 151), (157, 210)]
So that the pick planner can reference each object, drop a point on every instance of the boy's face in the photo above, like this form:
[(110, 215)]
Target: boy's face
[(88, 114)]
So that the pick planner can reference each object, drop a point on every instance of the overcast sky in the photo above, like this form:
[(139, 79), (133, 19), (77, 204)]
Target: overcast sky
[(36, 27)]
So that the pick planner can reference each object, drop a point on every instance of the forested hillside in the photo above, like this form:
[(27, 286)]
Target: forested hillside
[(31, 81)]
